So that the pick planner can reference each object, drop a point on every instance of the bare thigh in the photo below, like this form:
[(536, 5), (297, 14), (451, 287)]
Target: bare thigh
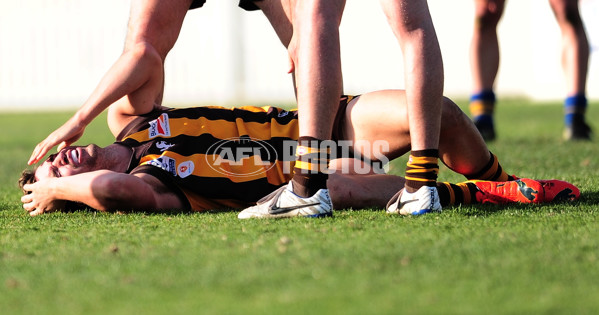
[(375, 119)]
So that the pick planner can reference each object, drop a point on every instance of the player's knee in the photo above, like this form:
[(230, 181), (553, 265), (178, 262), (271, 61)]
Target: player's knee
[(487, 18)]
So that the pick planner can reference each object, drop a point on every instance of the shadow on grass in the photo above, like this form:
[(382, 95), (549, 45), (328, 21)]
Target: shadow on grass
[(589, 198), (487, 210), (170, 212), (160, 212)]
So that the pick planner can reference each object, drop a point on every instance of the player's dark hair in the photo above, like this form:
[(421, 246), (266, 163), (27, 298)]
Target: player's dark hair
[(27, 177)]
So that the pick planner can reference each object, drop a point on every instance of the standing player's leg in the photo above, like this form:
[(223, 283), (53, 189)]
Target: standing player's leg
[(412, 25), (316, 59), (575, 58), (484, 63)]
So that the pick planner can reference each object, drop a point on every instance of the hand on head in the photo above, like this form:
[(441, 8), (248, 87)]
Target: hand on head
[(62, 137)]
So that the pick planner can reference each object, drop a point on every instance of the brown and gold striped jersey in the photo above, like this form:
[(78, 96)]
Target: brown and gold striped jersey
[(216, 157)]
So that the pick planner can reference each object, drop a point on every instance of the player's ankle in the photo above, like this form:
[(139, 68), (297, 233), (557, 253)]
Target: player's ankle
[(422, 169), (307, 185), (309, 173)]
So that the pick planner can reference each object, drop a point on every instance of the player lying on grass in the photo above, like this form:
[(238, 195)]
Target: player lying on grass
[(213, 158)]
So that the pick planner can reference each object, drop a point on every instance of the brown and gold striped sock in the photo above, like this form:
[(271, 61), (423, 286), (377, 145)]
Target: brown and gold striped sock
[(422, 169), (456, 194), (480, 108), (492, 172), (309, 171)]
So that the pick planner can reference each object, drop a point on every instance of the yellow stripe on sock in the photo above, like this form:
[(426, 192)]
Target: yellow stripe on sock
[(314, 167), (415, 160), (423, 170), (490, 174), (465, 192), (419, 179), (479, 107), (303, 150)]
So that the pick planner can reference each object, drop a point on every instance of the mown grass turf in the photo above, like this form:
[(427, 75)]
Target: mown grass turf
[(517, 259)]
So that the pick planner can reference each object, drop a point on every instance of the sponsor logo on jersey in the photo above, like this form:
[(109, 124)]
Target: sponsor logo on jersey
[(185, 169), (166, 163), (163, 145), (283, 113), (160, 127)]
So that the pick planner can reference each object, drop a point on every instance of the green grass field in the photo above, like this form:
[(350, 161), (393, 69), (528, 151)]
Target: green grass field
[(519, 259)]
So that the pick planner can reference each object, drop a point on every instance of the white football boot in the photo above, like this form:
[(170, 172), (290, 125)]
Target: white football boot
[(283, 203), (424, 200)]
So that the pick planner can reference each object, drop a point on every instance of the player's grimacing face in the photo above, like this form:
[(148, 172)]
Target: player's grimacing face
[(69, 161)]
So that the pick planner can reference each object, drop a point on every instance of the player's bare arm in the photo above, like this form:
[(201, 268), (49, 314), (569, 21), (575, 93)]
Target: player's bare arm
[(135, 81), (132, 84), (101, 190)]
